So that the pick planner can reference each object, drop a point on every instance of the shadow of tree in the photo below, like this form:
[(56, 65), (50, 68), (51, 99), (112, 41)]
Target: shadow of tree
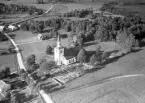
[(54, 89), (135, 50), (49, 86), (142, 43), (111, 60), (44, 84), (88, 44), (90, 53), (21, 97), (94, 69), (18, 84), (12, 35)]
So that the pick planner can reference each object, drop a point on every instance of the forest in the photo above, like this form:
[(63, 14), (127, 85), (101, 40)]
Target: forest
[(99, 28)]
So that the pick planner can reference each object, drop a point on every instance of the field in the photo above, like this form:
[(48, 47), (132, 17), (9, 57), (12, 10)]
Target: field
[(139, 9), (7, 59)]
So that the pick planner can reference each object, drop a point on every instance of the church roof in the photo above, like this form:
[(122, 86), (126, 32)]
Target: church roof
[(71, 52)]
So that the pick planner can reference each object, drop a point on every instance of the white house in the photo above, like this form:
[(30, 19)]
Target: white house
[(12, 27), (2, 28), (64, 55)]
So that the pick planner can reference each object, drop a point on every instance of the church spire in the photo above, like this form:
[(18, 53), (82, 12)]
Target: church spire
[(58, 41)]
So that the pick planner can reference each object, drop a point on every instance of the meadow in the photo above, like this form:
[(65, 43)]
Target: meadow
[(9, 60), (138, 9)]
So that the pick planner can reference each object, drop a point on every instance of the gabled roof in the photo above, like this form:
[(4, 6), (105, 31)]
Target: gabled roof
[(71, 52)]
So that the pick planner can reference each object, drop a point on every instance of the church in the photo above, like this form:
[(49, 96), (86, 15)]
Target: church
[(64, 56)]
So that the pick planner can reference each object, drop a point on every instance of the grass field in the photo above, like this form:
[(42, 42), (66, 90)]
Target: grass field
[(136, 8), (8, 59), (18, 35), (37, 48)]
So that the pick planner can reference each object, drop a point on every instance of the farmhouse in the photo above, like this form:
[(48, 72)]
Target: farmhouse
[(64, 55)]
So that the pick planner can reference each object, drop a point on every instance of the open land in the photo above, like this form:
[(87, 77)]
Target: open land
[(9, 60), (138, 9)]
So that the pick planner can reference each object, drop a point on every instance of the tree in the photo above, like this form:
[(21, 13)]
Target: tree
[(31, 60), (137, 44), (129, 42), (11, 49), (49, 50), (4, 72), (82, 56), (80, 40), (105, 55), (98, 50), (39, 2), (70, 39)]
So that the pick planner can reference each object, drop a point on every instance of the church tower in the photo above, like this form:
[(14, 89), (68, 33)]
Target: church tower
[(58, 52)]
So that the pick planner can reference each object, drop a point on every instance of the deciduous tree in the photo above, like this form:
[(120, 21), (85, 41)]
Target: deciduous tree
[(49, 50), (4, 72), (31, 59), (82, 56)]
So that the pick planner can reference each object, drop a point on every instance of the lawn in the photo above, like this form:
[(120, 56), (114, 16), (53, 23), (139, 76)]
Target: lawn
[(37, 48), (20, 34)]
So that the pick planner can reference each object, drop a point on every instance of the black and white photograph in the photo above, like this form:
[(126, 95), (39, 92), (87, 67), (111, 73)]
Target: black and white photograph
[(72, 51)]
